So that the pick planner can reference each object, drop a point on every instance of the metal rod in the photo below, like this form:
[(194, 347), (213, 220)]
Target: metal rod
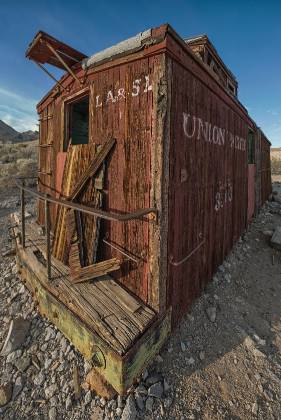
[(89, 210), (50, 75), (48, 240), (177, 263), (23, 215), (68, 56), (121, 250), (62, 62)]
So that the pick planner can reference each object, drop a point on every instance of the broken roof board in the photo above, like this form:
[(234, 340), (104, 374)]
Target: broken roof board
[(38, 51), (204, 40), (130, 45)]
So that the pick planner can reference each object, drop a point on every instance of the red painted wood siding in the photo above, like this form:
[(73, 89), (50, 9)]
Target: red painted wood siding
[(128, 117), (199, 171), (251, 191)]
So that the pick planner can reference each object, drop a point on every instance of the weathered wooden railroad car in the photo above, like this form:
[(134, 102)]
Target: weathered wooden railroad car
[(149, 170)]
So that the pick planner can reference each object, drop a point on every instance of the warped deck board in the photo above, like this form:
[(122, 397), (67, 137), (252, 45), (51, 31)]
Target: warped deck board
[(102, 304)]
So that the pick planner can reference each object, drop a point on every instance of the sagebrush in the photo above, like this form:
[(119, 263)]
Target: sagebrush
[(17, 160)]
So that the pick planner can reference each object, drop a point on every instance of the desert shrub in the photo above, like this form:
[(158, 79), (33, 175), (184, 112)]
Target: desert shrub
[(17, 160)]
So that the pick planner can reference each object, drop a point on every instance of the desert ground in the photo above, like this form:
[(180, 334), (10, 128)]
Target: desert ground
[(223, 362)]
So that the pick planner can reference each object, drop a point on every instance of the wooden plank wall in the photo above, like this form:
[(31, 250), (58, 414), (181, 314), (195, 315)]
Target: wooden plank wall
[(49, 146), (266, 187), (128, 177), (121, 103), (258, 170), (208, 183), (251, 191)]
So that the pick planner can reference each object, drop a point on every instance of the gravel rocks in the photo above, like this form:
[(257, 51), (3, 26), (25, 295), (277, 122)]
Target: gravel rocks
[(68, 403), (50, 334), (18, 386), (149, 404), (51, 390), (23, 363), (88, 397), (211, 313), (156, 390), (6, 391), (39, 379), (53, 414), (140, 402), (153, 379), (140, 389), (12, 357), (130, 411), (194, 376)]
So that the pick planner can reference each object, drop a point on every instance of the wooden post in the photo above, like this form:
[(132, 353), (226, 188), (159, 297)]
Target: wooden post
[(22, 215), (48, 243)]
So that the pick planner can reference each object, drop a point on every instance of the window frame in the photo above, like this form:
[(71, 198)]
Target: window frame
[(251, 156), (76, 97)]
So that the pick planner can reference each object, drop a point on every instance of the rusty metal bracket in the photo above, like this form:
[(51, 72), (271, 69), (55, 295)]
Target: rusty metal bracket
[(177, 263)]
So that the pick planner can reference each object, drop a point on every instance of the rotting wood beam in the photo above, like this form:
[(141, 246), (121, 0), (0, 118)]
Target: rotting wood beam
[(63, 62), (82, 274), (93, 167)]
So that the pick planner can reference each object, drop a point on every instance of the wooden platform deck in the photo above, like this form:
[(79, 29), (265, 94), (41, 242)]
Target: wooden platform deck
[(101, 304)]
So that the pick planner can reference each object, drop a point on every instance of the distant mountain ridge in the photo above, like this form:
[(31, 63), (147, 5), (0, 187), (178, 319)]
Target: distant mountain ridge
[(9, 135)]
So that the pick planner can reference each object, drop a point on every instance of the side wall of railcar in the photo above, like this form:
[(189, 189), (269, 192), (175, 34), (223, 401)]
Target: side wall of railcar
[(207, 178), (266, 187), (258, 170)]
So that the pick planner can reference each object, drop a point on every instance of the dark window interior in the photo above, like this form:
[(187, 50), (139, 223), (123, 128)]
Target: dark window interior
[(251, 147), (78, 122)]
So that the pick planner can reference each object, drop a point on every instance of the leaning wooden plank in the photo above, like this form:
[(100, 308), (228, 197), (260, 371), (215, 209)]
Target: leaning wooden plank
[(76, 163), (93, 167), (95, 270), (70, 230), (74, 260)]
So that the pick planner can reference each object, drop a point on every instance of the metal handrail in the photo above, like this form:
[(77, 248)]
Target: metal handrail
[(76, 206), (180, 262), (89, 210)]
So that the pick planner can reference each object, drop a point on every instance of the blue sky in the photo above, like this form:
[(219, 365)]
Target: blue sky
[(247, 34)]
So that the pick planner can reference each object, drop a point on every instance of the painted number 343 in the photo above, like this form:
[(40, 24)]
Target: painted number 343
[(223, 195)]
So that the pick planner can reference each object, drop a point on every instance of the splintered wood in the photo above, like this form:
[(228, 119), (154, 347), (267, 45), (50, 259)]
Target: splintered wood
[(103, 305), (79, 275), (76, 234)]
